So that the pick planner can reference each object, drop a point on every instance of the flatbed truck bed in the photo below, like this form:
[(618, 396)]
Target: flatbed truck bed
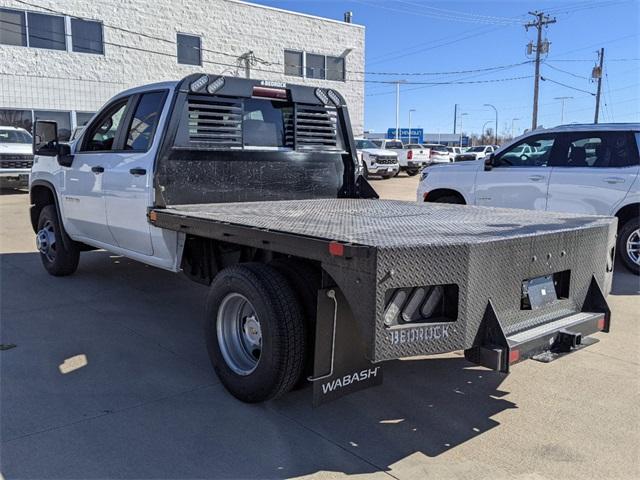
[(381, 253)]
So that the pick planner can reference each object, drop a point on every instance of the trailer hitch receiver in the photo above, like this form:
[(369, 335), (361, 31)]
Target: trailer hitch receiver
[(566, 340)]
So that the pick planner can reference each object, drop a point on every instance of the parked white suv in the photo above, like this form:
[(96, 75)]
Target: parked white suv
[(376, 161), (572, 168), (16, 154)]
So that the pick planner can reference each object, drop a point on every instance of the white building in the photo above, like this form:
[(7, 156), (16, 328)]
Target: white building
[(63, 59)]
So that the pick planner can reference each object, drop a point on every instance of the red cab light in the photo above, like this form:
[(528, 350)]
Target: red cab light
[(268, 92)]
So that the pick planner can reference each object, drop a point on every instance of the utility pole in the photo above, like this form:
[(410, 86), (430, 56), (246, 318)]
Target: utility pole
[(398, 82), (541, 20), (455, 117), (598, 73)]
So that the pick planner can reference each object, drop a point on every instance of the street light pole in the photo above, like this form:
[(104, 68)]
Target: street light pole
[(485, 126), (512, 121), (461, 115), (410, 112), (495, 134), (562, 99), (398, 82)]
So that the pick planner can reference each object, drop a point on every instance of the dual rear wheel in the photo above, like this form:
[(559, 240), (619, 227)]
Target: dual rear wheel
[(258, 329)]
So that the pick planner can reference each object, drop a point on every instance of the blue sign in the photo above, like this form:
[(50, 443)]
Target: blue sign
[(417, 134)]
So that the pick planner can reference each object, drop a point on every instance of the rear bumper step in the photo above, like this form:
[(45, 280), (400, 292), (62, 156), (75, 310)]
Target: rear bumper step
[(544, 343)]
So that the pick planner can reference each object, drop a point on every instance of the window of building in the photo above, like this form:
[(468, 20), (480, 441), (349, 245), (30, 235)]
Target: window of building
[(63, 119), (189, 49), (102, 133), (16, 118), (144, 121), (293, 63), (46, 31), (335, 68), (86, 36), (315, 66), (82, 118), (13, 29)]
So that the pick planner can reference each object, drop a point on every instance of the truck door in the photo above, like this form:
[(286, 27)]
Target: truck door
[(128, 180), (593, 173), (83, 196), (519, 177)]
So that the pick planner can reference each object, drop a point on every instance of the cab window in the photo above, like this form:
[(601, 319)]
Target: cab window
[(532, 152), (144, 121), (102, 133), (599, 150)]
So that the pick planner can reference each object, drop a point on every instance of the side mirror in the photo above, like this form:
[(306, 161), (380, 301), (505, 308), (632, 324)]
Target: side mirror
[(45, 138), (47, 144), (65, 159), (489, 162)]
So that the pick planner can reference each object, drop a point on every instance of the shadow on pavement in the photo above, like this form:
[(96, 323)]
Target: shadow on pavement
[(148, 405), (624, 282)]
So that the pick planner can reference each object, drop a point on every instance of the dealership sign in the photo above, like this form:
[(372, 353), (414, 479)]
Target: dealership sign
[(417, 134)]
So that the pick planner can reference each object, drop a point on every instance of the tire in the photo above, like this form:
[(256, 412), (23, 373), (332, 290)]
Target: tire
[(56, 259), (272, 368), (413, 173), (630, 232), (397, 173), (449, 199), (305, 281)]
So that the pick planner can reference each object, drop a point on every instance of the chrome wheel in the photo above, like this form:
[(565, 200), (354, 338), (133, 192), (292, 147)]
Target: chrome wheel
[(633, 246), (239, 334), (46, 241)]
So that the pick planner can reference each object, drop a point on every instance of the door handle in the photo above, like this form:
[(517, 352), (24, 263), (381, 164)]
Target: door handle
[(614, 180), (536, 178), (138, 171), (97, 169)]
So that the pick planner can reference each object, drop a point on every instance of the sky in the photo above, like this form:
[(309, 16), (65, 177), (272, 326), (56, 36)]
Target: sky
[(414, 36)]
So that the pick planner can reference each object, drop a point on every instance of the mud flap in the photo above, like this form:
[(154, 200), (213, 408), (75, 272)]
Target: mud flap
[(340, 366)]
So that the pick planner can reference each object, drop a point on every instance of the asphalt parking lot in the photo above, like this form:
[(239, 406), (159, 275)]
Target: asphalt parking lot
[(148, 405)]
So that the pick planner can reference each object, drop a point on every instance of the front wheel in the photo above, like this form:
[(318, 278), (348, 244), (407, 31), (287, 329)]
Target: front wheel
[(58, 259), (255, 332), (629, 245), (413, 172)]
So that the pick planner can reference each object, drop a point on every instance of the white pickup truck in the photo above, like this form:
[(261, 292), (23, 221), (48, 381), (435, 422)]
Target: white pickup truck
[(412, 157), (253, 188)]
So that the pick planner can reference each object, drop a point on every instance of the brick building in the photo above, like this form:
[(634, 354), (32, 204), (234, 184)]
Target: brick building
[(62, 60)]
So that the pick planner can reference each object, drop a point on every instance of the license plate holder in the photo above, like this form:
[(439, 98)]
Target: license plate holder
[(539, 292)]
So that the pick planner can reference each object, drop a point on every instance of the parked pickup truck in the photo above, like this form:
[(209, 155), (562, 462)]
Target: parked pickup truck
[(412, 158), (252, 187), (16, 155)]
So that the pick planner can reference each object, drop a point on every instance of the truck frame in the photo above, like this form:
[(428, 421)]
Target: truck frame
[(312, 277)]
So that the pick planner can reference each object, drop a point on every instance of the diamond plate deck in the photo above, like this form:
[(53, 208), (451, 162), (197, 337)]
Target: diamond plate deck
[(390, 223)]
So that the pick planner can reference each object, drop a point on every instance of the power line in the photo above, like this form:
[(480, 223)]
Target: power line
[(547, 79), (546, 64)]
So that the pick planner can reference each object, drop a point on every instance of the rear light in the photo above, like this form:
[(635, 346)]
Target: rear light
[(514, 356), (601, 324), (431, 153), (409, 154), (268, 92), (336, 249)]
